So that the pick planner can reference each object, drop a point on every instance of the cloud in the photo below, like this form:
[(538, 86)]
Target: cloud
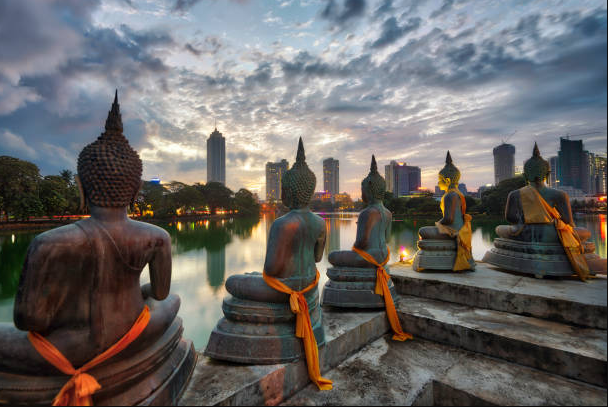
[(182, 6), (340, 14), (391, 31), (445, 7), (12, 143)]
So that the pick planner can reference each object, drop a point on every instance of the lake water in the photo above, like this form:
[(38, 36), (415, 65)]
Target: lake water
[(206, 252)]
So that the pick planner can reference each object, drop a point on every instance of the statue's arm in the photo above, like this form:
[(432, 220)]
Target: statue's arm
[(277, 248), (564, 208), (389, 218), (449, 209), (38, 299), (513, 210), (160, 268), (320, 243), (363, 230)]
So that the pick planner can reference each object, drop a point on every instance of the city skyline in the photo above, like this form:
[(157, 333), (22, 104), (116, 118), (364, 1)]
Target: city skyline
[(402, 80)]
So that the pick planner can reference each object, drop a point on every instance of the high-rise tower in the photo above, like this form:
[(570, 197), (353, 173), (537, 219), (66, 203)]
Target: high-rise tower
[(216, 157), (274, 175), (402, 178), (331, 176), (504, 162)]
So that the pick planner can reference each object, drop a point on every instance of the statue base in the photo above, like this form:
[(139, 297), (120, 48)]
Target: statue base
[(436, 254), (155, 376), (538, 259), (262, 333), (353, 287)]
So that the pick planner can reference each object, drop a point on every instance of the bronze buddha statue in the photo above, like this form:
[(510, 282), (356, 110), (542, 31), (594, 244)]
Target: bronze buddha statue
[(352, 278), (542, 238), (258, 324), (447, 245), (80, 290)]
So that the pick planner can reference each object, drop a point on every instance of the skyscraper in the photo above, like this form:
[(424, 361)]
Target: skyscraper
[(571, 163), (216, 158), (331, 176), (403, 178), (389, 176), (554, 175), (274, 175), (600, 174), (504, 162)]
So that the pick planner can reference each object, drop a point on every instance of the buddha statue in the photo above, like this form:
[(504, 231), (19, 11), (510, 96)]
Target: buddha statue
[(259, 321), (80, 302), (352, 278), (542, 238), (447, 245)]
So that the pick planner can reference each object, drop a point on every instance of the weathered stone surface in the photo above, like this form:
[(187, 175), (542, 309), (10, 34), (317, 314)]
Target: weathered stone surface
[(578, 353), (435, 254), (216, 382), (420, 372), (352, 287), (569, 301)]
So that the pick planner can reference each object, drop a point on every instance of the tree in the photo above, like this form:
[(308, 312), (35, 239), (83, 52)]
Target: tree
[(245, 203), (150, 197), (72, 195), (494, 200), (217, 196), (53, 195), (19, 188)]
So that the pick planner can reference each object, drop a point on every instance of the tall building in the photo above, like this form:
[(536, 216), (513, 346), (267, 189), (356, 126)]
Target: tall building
[(571, 163), (331, 176), (216, 158), (274, 175), (554, 176), (504, 162), (600, 174), (403, 178), (389, 176), (588, 173)]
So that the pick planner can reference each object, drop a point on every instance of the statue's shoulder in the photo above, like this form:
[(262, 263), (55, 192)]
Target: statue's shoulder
[(149, 229), (64, 238), (556, 193)]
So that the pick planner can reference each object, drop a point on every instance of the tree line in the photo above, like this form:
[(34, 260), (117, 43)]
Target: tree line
[(24, 193)]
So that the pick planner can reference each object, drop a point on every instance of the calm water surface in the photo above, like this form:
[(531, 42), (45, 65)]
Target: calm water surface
[(206, 252)]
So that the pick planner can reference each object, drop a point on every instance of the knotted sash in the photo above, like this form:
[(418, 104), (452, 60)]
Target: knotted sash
[(464, 236), (299, 306), (537, 210), (382, 278), (79, 389)]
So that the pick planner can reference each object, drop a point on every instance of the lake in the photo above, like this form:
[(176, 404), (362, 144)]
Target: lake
[(206, 252)]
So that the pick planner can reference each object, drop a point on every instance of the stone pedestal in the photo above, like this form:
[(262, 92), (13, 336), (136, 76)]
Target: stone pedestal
[(262, 333), (538, 259), (353, 287), (156, 376), (436, 254)]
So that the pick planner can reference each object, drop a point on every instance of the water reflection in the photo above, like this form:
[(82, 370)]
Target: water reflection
[(206, 252)]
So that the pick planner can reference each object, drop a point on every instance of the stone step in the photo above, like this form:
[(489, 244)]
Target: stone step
[(573, 352), (562, 300), (421, 372), (216, 382)]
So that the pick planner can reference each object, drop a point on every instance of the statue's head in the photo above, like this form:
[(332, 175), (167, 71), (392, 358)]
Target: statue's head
[(536, 169), (449, 176), (373, 186), (109, 170), (298, 183)]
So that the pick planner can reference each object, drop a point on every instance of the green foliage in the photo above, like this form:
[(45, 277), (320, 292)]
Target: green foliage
[(413, 206), (53, 191), (494, 200), (217, 196), (19, 188), (245, 203)]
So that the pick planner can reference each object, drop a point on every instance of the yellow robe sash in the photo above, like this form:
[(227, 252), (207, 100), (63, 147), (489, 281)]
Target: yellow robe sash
[(537, 210), (78, 391), (299, 306), (382, 289), (463, 236)]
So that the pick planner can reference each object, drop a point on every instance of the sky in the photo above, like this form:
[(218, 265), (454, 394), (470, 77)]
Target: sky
[(404, 80)]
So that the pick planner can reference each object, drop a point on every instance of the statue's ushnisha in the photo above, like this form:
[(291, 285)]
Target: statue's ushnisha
[(264, 310), (447, 245), (542, 238), (79, 298)]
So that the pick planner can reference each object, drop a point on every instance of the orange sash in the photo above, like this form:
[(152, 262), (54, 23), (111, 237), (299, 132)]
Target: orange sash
[(537, 210), (382, 289), (81, 386), (299, 306), (464, 236)]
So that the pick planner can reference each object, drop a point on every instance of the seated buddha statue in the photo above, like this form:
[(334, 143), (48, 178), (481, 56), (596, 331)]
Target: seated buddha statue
[(352, 278), (447, 245), (542, 238), (79, 295), (258, 323)]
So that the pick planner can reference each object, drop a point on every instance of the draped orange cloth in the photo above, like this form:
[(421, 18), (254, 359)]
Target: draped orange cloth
[(537, 210), (78, 391), (299, 306), (464, 236), (382, 278)]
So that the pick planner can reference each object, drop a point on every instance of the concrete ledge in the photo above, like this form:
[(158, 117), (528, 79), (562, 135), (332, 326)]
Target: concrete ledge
[(568, 301), (216, 382), (577, 353), (420, 372)]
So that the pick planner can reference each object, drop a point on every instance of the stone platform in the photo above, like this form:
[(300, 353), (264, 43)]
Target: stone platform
[(486, 337)]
